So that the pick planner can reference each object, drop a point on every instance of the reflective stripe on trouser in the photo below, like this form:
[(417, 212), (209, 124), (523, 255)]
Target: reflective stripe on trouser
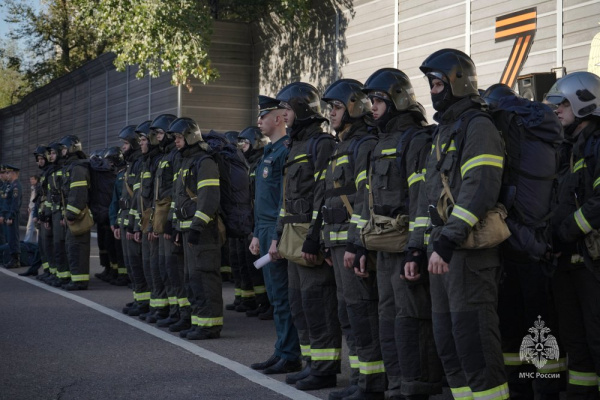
[(287, 344), (78, 256), (237, 259), (103, 235), (577, 295), (60, 253), (256, 275), (296, 309), (337, 256), (203, 270), (360, 300), (174, 265), (172, 278), (465, 322), (158, 297), (46, 246), (419, 367), (523, 295), (133, 260), (318, 303)]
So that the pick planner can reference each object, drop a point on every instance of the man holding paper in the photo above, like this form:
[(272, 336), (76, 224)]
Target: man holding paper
[(269, 179)]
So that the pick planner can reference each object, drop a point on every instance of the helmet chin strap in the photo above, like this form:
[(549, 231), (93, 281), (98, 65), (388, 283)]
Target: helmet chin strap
[(570, 129)]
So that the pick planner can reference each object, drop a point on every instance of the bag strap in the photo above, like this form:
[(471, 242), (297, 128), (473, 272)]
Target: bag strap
[(337, 186)]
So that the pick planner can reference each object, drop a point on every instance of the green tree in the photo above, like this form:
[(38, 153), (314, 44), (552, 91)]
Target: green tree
[(56, 35), (12, 82), (174, 35)]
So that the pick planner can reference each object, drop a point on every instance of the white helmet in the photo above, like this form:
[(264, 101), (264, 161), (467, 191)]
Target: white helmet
[(581, 89)]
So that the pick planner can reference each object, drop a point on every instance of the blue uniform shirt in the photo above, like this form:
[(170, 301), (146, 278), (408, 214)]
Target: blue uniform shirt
[(12, 194), (268, 184)]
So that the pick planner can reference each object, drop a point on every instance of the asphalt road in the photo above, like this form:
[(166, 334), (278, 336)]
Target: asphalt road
[(78, 345)]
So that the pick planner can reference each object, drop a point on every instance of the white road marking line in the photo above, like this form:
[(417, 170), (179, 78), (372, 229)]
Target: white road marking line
[(245, 372)]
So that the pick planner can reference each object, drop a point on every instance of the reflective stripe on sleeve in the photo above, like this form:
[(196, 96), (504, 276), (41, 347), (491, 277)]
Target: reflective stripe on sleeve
[(483, 159), (465, 215), (582, 223), (207, 182)]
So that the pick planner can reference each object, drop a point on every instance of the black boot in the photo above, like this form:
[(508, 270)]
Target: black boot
[(247, 305), (181, 325), (71, 286), (293, 378), (262, 308), (141, 308), (345, 392), (170, 320), (104, 275), (267, 315), (32, 271), (15, 262), (236, 302), (316, 382), (44, 276)]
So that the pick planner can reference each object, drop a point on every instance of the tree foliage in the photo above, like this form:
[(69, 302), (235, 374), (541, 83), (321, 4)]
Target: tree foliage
[(156, 35), (12, 81), (56, 35)]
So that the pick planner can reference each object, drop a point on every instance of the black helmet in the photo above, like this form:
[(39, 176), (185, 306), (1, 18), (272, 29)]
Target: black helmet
[(144, 131), (131, 136), (115, 155), (71, 143), (394, 84), (495, 93), (349, 92), (144, 128), (188, 128), (254, 137), (232, 136), (98, 153), (303, 99), (57, 147), (41, 151), (454, 67), (162, 122)]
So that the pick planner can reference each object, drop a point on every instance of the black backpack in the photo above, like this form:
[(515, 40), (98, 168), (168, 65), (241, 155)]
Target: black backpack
[(234, 182), (102, 183), (531, 133)]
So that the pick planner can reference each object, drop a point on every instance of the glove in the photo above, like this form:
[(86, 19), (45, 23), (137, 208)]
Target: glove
[(351, 248), (360, 251), (311, 247), (327, 252), (444, 247), (193, 237), (168, 229)]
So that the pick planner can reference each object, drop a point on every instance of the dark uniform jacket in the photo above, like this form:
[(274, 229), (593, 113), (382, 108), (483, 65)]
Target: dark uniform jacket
[(75, 185), (143, 196), (126, 219), (196, 193), (473, 164), (12, 194), (113, 209), (253, 158), (165, 173), (268, 184), (54, 185), (394, 190), (578, 211), (303, 189), (346, 175), (42, 200)]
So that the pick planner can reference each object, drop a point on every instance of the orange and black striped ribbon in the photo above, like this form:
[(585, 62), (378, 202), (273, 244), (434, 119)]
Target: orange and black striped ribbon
[(520, 26)]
